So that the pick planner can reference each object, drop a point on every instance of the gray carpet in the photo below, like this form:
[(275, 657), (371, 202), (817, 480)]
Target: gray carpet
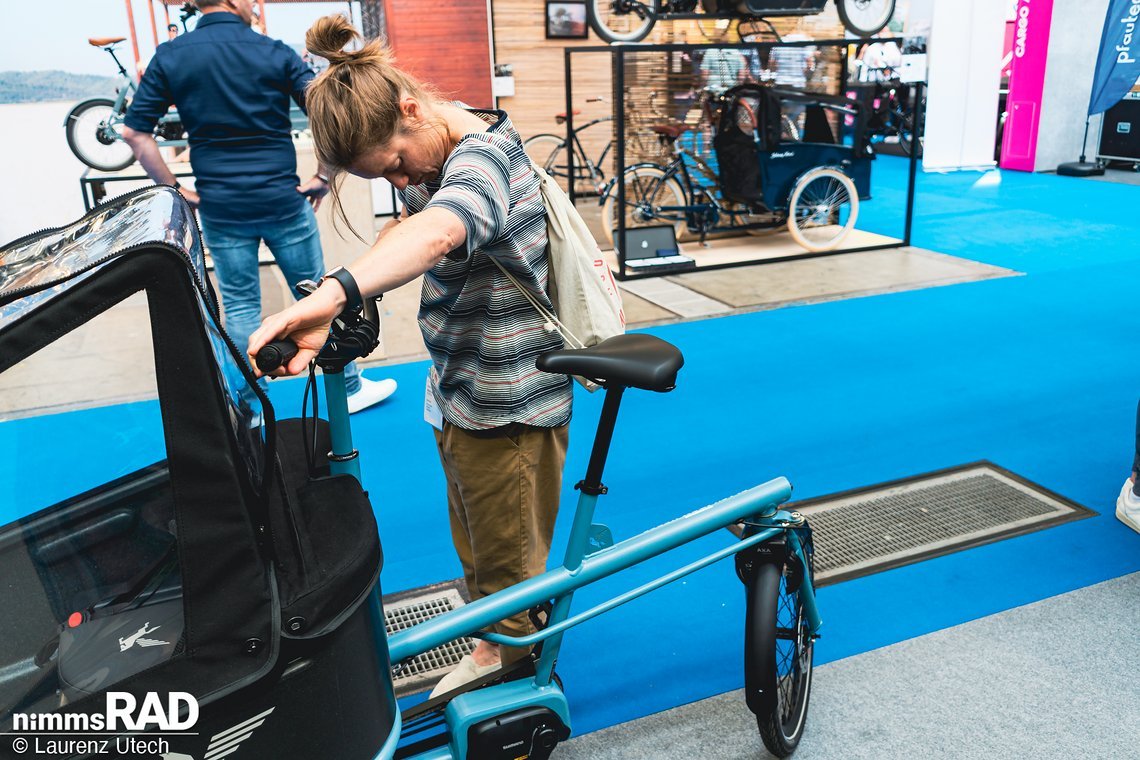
[(1056, 679), (1120, 176)]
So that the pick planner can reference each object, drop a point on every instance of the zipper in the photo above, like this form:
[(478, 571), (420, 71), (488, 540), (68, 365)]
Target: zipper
[(99, 208)]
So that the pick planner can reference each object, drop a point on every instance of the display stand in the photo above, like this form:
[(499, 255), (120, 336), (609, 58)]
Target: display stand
[(640, 69), (93, 183)]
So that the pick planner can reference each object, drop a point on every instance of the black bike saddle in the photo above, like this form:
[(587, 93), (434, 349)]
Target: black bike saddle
[(633, 361)]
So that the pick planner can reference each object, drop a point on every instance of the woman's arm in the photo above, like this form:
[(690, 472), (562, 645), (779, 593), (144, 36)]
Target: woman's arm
[(402, 254)]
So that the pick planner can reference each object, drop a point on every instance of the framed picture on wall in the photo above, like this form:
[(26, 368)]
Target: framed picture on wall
[(566, 20)]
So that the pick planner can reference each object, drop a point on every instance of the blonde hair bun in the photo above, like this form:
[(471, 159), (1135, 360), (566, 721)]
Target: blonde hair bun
[(329, 37)]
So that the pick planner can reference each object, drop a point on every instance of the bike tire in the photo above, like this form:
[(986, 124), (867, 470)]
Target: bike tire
[(548, 151), (82, 124), (778, 658), (614, 25), (816, 205), (865, 18), (646, 189)]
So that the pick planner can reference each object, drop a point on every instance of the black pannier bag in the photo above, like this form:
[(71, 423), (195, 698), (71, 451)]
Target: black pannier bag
[(748, 122), (226, 569)]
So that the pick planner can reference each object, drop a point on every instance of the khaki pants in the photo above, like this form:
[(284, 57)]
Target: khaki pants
[(502, 493)]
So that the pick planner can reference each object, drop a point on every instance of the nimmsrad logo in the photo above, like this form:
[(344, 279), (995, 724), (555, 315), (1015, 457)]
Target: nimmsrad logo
[(122, 711)]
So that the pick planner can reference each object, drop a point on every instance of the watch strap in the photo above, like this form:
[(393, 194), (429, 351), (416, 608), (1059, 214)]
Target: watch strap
[(351, 290)]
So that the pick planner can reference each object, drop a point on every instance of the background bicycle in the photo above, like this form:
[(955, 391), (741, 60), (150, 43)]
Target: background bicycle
[(549, 151), (94, 127), (890, 106), (632, 20)]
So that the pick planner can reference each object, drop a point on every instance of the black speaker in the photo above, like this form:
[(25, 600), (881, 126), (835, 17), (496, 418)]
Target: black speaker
[(1120, 133)]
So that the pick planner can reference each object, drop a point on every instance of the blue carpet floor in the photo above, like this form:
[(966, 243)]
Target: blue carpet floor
[(1030, 372)]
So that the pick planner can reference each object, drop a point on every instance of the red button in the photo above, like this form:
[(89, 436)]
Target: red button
[(75, 620)]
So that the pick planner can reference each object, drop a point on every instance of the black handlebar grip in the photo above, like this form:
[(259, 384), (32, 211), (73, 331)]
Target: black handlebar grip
[(276, 354)]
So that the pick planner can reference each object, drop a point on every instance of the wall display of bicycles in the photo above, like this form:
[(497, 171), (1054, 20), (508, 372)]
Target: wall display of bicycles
[(566, 19), (752, 158), (632, 20)]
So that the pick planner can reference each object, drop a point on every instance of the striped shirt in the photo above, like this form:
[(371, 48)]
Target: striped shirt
[(481, 331)]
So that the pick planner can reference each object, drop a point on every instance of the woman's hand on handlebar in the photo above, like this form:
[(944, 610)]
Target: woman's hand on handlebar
[(306, 323)]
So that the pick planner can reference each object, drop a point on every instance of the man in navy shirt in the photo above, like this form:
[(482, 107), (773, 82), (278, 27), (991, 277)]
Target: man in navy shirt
[(232, 87)]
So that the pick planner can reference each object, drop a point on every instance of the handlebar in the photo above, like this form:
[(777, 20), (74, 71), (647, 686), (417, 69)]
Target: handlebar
[(275, 354), (355, 333)]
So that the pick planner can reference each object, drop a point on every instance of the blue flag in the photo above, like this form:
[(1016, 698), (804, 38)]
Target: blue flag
[(1118, 65)]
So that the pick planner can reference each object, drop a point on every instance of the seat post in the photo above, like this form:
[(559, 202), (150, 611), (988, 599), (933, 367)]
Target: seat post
[(115, 58), (592, 484)]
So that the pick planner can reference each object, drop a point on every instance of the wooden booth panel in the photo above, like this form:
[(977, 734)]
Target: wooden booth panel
[(444, 43)]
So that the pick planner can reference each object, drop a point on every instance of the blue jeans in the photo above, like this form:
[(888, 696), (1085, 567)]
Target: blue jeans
[(296, 247)]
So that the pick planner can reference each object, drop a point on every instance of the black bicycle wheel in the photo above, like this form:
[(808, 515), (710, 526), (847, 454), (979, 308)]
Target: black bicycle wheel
[(620, 20), (549, 152), (864, 18), (651, 198), (778, 652), (93, 138)]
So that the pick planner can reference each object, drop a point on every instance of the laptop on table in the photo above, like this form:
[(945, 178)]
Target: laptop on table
[(654, 249)]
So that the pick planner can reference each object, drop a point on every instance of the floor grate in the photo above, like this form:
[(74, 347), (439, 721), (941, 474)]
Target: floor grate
[(402, 613), (901, 522)]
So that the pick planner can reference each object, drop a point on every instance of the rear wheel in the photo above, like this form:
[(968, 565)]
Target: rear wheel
[(549, 152), (822, 208), (650, 199), (865, 17), (620, 20), (778, 655), (94, 135)]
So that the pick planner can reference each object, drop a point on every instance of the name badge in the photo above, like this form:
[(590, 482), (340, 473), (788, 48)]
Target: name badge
[(433, 415)]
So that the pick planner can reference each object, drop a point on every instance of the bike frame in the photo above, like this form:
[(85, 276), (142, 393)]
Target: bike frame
[(591, 170), (589, 557), (119, 112)]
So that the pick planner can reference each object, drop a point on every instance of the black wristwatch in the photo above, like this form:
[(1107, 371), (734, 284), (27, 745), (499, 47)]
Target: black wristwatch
[(176, 185), (351, 290)]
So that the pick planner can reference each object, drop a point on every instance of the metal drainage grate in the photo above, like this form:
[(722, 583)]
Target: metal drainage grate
[(904, 521), (402, 613)]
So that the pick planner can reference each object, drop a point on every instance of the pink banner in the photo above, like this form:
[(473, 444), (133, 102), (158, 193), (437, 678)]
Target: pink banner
[(1026, 83)]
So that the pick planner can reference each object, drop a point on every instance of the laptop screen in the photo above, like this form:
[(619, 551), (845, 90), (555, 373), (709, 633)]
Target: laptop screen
[(650, 242)]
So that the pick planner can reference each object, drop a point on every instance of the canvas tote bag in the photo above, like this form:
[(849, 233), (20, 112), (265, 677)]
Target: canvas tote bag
[(587, 302)]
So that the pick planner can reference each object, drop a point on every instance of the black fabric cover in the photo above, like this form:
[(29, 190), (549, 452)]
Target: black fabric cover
[(325, 537), (817, 129), (229, 595), (737, 149)]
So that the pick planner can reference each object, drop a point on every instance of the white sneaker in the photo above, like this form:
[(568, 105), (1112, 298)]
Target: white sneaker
[(1128, 507), (465, 672), (371, 392)]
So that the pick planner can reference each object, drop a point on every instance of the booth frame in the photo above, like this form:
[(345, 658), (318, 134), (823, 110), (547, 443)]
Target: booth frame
[(618, 55)]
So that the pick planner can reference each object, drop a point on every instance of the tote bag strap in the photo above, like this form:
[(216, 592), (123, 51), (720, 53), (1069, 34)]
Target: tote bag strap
[(552, 321)]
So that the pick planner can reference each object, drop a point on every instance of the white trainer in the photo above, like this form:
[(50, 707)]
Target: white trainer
[(371, 392), (465, 672), (1128, 507)]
